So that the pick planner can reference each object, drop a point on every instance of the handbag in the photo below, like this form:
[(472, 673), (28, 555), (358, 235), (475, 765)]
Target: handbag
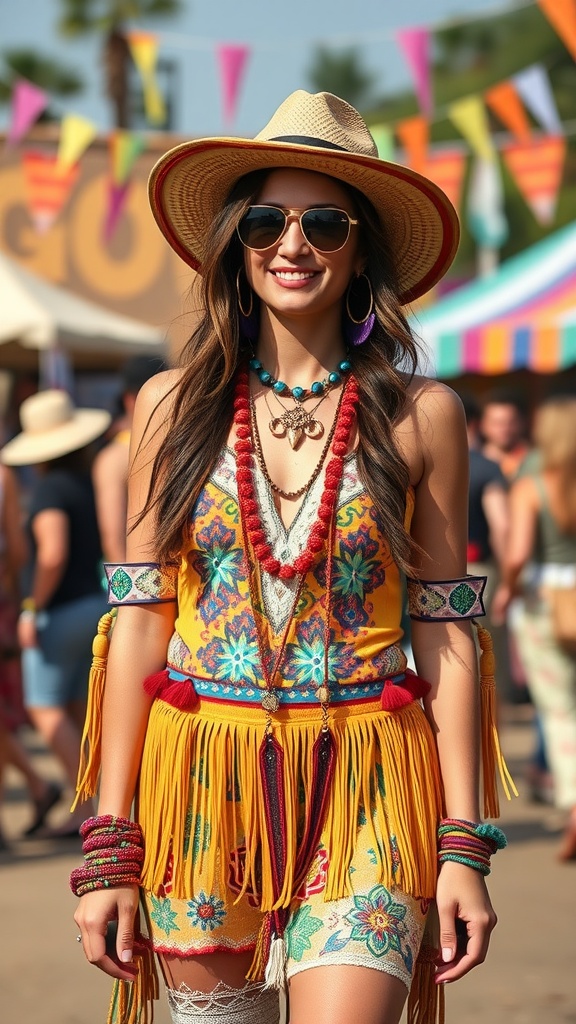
[(563, 611)]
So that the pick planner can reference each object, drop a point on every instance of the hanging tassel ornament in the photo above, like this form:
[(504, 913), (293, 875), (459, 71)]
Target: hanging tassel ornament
[(90, 748), (492, 756)]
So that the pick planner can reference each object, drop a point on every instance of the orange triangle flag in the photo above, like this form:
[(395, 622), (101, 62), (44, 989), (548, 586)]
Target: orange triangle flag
[(505, 102), (446, 167), (413, 134), (47, 187), (562, 16), (537, 171)]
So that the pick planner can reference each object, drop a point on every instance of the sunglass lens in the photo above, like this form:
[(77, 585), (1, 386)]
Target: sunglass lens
[(261, 227), (326, 230)]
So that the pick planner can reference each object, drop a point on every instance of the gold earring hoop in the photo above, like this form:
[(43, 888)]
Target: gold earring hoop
[(370, 305), (244, 312)]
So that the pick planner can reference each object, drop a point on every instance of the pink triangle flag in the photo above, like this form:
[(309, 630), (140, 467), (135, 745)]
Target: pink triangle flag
[(28, 102), (117, 196), (415, 43), (232, 61)]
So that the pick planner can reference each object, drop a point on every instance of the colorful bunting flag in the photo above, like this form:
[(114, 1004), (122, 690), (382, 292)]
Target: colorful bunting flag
[(537, 170), (144, 50), (413, 134), (505, 102), (485, 204), (384, 139), (534, 87), (47, 187), (117, 195), (562, 16), (469, 117), (125, 148), (27, 103), (446, 169), (415, 43), (232, 62), (76, 134)]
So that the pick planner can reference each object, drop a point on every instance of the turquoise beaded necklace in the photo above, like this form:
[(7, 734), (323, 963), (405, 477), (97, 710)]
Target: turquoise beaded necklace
[(317, 388)]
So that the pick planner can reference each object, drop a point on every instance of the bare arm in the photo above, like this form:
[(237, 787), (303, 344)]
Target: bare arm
[(139, 645), (110, 476), (524, 504), (51, 531), (445, 655), (16, 547)]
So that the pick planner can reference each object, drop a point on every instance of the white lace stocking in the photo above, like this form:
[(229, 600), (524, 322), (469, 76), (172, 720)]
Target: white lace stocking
[(249, 1005)]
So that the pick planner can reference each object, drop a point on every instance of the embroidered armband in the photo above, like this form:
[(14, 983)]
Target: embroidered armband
[(140, 582), (446, 600)]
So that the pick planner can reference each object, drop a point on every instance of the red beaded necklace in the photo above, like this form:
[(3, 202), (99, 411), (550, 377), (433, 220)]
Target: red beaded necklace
[(249, 510)]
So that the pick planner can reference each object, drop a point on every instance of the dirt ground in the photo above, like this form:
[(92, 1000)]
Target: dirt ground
[(529, 978)]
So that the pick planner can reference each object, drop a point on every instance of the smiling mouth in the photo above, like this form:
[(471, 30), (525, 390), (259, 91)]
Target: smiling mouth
[(294, 275)]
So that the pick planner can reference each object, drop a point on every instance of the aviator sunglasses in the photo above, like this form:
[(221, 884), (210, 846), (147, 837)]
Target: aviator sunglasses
[(325, 228)]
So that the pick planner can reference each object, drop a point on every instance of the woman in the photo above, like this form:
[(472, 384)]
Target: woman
[(63, 591), (541, 559), (288, 784)]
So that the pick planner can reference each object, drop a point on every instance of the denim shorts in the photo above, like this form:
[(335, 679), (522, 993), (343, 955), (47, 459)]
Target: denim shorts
[(56, 671)]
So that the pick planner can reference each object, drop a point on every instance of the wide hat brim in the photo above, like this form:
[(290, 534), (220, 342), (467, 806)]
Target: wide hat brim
[(189, 185), (30, 447)]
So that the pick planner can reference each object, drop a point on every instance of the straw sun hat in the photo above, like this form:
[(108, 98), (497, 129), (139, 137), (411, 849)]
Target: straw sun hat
[(313, 132), (51, 427)]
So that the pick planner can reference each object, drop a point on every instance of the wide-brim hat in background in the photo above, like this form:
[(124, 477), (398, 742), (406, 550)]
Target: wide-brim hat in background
[(316, 132), (51, 427)]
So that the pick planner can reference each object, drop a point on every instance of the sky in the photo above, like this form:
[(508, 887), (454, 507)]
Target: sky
[(282, 36)]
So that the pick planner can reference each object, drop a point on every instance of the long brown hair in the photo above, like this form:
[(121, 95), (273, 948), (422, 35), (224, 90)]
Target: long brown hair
[(203, 399), (555, 438)]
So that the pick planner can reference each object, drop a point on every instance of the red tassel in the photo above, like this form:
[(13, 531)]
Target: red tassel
[(399, 695), (180, 693)]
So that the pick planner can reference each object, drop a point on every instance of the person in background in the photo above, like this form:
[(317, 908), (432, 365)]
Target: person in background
[(110, 470), (487, 531), (503, 428), (13, 552), (64, 596), (541, 559)]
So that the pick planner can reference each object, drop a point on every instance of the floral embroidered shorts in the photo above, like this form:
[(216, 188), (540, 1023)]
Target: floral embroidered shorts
[(373, 927)]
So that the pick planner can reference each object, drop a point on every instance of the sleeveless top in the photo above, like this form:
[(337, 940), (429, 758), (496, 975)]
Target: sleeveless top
[(553, 546), (215, 632)]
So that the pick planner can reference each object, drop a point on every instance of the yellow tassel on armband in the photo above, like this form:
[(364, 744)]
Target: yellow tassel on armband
[(492, 756), (89, 766)]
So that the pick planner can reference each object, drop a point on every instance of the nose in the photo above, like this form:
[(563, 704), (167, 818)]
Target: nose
[(293, 240)]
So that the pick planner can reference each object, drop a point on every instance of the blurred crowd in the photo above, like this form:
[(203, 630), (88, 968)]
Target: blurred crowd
[(63, 484), (63, 512)]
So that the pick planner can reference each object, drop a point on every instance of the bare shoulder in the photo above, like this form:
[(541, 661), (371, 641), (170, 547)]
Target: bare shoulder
[(153, 410), (432, 419), (159, 389)]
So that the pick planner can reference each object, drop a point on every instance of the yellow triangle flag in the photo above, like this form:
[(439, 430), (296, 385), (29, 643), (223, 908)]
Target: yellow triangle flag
[(144, 50), (76, 134), (125, 148), (469, 117)]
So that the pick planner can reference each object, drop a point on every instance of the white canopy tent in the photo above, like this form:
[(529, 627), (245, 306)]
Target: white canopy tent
[(39, 315)]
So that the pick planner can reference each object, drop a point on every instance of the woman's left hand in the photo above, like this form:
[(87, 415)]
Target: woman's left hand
[(462, 896)]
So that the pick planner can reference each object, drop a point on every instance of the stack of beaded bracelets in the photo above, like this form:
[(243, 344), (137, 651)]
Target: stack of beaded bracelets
[(113, 851), (468, 843)]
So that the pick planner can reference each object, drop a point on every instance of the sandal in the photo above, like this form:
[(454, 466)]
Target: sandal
[(42, 807)]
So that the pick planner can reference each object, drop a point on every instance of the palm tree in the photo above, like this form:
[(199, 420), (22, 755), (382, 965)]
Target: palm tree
[(109, 18), (43, 72)]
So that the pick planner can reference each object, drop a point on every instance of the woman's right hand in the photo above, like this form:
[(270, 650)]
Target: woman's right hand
[(106, 922)]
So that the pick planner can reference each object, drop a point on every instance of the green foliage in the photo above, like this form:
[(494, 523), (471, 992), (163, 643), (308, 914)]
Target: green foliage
[(342, 73), (42, 71), (80, 16)]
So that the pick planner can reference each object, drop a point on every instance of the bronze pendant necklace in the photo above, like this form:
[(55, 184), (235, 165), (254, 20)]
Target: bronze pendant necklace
[(295, 423)]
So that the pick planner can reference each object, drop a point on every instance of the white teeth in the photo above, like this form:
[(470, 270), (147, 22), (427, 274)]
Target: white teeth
[(292, 275)]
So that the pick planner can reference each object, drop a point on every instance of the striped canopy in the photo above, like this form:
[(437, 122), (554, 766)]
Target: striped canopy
[(521, 317)]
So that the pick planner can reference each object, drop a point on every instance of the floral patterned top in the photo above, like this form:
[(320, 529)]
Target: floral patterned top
[(215, 634)]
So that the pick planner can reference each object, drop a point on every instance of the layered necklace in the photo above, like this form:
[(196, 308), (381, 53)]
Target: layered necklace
[(297, 422), (244, 449)]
